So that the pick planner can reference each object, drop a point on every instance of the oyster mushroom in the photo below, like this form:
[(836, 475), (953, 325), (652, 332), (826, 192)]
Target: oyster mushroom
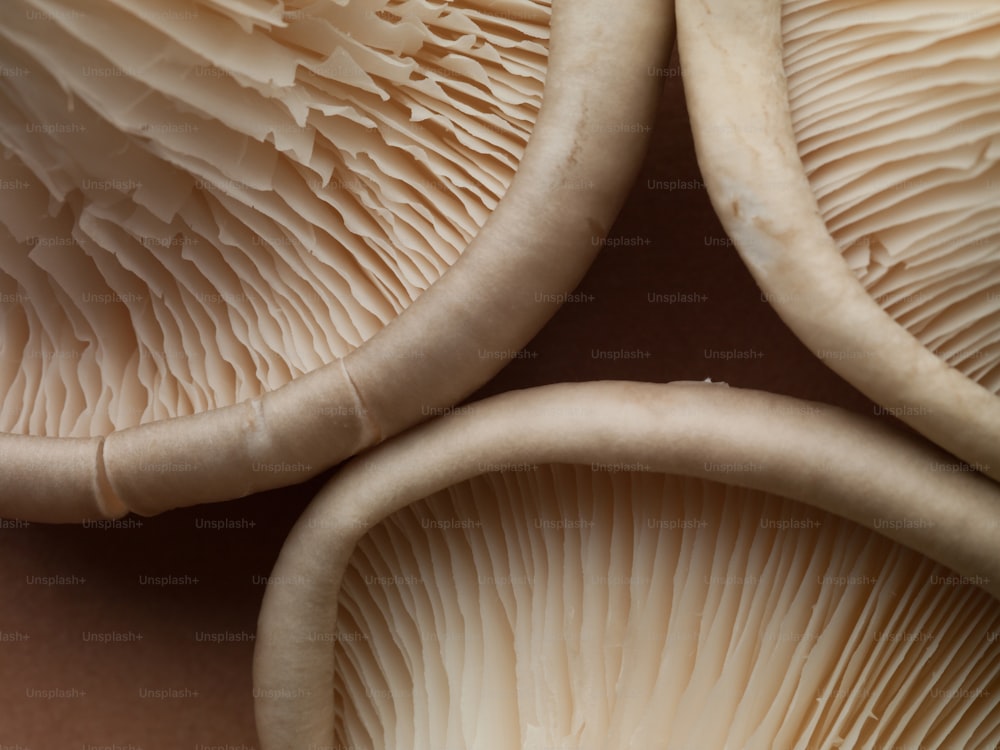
[(612, 564), (850, 150), (242, 243)]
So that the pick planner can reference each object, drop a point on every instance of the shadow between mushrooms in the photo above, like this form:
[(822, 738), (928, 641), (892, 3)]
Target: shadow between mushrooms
[(617, 565), (243, 241)]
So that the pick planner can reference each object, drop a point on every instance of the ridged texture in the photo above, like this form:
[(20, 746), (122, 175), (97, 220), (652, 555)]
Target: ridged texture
[(203, 200), (584, 608), (896, 109)]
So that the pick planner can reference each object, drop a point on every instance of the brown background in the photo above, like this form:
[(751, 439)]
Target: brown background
[(45, 641)]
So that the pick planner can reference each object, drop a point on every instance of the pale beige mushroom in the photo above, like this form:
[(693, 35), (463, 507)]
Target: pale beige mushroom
[(242, 241), (850, 150), (617, 565)]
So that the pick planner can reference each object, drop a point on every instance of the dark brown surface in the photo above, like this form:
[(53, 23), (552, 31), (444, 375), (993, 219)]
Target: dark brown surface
[(116, 695)]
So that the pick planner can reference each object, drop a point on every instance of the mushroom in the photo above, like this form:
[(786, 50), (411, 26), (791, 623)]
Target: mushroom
[(626, 564), (850, 150), (243, 242)]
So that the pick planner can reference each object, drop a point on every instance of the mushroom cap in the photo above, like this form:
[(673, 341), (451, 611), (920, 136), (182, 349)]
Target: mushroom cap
[(479, 559), (236, 257), (850, 151)]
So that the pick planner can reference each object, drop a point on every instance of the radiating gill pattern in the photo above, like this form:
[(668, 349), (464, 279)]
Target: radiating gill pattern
[(563, 607), (203, 200), (896, 110)]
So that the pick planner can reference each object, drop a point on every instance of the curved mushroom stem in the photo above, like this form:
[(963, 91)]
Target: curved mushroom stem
[(593, 127)]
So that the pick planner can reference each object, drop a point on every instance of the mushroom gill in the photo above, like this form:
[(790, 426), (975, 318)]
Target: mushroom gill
[(575, 607), (608, 565), (896, 113), (217, 330), (204, 200), (850, 151)]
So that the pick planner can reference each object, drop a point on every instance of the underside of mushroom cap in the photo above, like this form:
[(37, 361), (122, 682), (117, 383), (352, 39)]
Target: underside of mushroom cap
[(563, 606), (896, 111), (208, 199), (565, 189), (857, 173), (616, 454)]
